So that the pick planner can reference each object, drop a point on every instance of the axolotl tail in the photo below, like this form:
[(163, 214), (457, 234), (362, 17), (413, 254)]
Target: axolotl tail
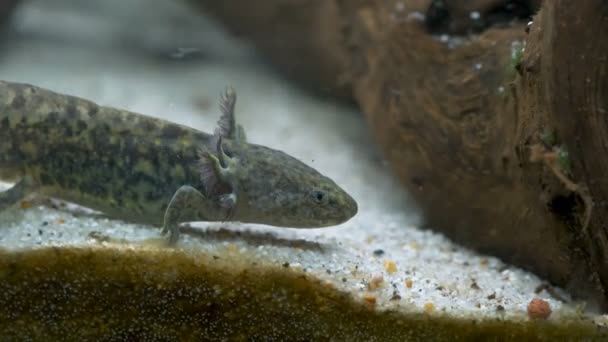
[(101, 157)]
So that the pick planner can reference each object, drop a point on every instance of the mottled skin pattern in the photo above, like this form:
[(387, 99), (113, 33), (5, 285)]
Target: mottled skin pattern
[(142, 169)]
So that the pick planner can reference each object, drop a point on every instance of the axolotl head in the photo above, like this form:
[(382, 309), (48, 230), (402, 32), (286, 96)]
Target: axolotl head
[(277, 189), (266, 186)]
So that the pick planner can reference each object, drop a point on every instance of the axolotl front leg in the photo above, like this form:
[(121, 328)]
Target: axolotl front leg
[(188, 203)]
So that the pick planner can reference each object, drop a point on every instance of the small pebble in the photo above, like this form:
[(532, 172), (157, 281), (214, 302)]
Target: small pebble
[(390, 266), (539, 309), (408, 283), (376, 282), (379, 252)]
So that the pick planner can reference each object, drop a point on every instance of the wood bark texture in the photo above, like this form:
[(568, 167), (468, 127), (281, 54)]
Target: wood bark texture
[(503, 148)]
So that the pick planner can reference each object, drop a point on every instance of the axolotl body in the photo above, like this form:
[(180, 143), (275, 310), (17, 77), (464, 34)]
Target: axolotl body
[(143, 169)]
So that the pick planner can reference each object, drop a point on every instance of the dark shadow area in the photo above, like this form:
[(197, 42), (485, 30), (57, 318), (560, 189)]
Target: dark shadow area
[(252, 238), (470, 17)]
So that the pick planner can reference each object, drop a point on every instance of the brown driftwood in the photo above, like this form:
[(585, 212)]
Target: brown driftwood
[(504, 151)]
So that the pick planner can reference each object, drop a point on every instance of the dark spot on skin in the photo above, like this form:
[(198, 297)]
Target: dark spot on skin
[(130, 145), (93, 110), (147, 125), (105, 128), (153, 159), (68, 131), (118, 193), (68, 180), (52, 117), (81, 125), (121, 172), (44, 129), (96, 189), (45, 179), (71, 111), (150, 196), (134, 196), (18, 102), (119, 202), (116, 120), (170, 132)]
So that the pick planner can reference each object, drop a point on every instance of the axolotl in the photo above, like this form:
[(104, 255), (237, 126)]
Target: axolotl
[(143, 169)]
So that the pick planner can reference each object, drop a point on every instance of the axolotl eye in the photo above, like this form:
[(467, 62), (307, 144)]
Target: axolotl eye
[(319, 196)]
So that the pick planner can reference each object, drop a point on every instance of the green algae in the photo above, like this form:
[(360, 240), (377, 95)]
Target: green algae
[(161, 294)]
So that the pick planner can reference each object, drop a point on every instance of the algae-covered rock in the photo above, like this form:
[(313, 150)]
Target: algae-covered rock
[(119, 293)]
